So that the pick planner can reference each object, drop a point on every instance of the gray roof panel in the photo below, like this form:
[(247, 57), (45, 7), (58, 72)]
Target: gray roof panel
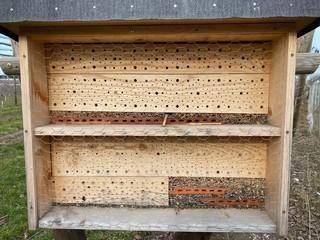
[(14, 11)]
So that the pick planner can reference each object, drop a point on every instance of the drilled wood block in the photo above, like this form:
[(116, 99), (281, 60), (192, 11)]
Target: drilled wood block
[(222, 93), (159, 57), (142, 191), (109, 157)]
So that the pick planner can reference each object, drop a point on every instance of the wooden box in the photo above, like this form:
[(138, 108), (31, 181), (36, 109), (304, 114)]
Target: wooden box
[(87, 172)]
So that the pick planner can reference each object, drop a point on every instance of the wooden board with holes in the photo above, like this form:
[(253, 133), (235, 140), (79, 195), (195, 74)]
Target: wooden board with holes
[(144, 191), (220, 93), (109, 157), (165, 58)]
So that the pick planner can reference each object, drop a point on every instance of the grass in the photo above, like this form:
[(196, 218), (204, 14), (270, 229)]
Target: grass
[(13, 192), (10, 116)]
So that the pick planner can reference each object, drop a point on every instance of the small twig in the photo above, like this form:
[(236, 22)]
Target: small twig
[(215, 123), (2, 219), (165, 120), (5, 216), (36, 234)]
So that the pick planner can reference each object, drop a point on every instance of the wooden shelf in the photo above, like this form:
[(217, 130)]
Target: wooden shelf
[(156, 130), (158, 219)]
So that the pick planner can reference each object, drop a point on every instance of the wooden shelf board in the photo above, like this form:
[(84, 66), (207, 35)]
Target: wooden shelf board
[(158, 219), (156, 130)]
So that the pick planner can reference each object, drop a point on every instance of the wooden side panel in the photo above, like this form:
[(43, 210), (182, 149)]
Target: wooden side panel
[(281, 115), (143, 191), (219, 93), (110, 157), (35, 114)]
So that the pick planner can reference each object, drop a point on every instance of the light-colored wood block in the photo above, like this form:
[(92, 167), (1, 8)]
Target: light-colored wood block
[(141, 191), (111, 157), (163, 58), (218, 93)]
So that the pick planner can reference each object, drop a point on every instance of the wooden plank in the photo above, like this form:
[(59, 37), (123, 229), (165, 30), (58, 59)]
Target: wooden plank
[(279, 150), (155, 130), (140, 191), (110, 157), (221, 93), (159, 219), (35, 114), (164, 58), (156, 33)]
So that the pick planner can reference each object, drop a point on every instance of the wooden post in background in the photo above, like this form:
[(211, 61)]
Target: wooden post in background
[(303, 45)]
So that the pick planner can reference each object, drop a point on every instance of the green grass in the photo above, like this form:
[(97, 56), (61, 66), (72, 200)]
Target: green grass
[(10, 116), (13, 192)]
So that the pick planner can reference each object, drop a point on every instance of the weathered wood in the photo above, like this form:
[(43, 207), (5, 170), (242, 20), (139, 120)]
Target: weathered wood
[(160, 33), (10, 65), (128, 158), (35, 114), (304, 45), (307, 63), (158, 219), (156, 130), (69, 234), (281, 115)]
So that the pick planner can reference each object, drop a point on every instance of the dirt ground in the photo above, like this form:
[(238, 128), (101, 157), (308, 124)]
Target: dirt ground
[(11, 138)]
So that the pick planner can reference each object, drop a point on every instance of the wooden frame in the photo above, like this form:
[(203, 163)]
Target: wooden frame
[(37, 149)]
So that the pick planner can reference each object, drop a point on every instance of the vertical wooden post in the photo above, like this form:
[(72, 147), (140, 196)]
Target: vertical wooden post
[(15, 90), (35, 113), (69, 234), (281, 105)]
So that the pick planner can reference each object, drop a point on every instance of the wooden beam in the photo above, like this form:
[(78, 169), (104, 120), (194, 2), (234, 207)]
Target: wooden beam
[(279, 150), (151, 33), (35, 113), (158, 130), (158, 219), (10, 65), (307, 63)]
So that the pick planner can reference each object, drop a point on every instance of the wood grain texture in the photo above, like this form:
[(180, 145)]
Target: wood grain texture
[(109, 157), (155, 130), (189, 30), (159, 219), (279, 150), (164, 58), (141, 191), (221, 93), (35, 114)]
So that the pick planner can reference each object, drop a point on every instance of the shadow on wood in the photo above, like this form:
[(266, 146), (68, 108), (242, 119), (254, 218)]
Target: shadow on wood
[(191, 236), (69, 234)]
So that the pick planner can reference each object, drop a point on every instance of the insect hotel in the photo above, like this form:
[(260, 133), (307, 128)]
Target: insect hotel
[(172, 116)]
